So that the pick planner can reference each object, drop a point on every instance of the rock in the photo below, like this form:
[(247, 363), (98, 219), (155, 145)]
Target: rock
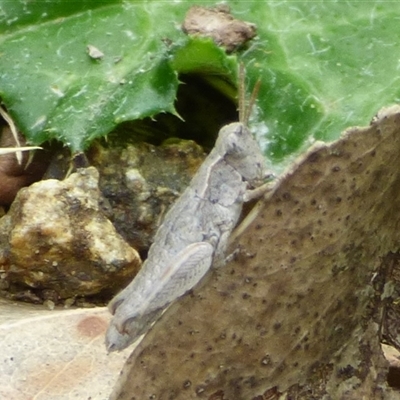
[(63, 239), (55, 239), (141, 181)]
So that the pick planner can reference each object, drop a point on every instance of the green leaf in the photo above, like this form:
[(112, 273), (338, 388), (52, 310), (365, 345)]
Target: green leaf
[(324, 66), (16, 14), (201, 56), (54, 89)]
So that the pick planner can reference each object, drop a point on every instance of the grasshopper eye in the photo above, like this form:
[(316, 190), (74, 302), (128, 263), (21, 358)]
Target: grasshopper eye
[(233, 145)]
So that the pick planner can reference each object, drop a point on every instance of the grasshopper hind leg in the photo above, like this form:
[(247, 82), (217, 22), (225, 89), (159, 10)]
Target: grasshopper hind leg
[(136, 311)]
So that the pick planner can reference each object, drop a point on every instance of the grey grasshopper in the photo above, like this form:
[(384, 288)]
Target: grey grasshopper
[(193, 236)]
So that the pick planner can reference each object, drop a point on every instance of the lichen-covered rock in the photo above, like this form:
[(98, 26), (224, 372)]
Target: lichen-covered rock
[(56, 238), (141, 181)]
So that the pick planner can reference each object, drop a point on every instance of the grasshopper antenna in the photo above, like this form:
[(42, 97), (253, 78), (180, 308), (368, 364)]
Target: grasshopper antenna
[(245, 109), (242, 95)]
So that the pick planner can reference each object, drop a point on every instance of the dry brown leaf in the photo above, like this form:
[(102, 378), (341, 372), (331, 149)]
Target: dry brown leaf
[(297, 314), (218, 24), (55, 355)]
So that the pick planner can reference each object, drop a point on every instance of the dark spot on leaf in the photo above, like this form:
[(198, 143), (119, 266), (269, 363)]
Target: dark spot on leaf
[(346, 372), (277, 326), (282, 367), (219, 395), (270, 394), (313, 158)]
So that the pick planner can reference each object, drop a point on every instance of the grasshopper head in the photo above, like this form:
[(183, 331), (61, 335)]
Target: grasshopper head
[(240, 150)]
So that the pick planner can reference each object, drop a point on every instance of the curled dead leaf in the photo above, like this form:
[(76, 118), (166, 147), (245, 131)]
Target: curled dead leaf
[(300, 308)]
